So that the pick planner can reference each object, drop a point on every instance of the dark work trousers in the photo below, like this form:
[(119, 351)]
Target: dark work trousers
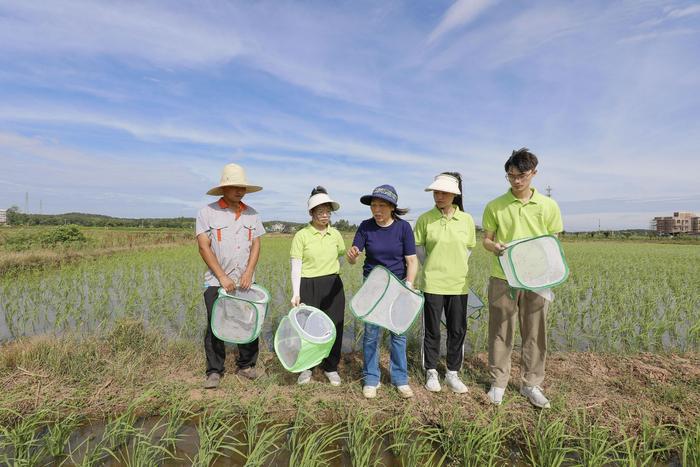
[(326, 293), (455, 307), (215, 348)]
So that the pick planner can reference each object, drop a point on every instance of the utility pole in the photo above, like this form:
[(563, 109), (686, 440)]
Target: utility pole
[(41, 207), (26, 202), (549, 191)]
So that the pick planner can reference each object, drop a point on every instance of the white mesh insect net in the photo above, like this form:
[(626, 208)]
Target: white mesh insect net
[(534, 263), (238, 317), (304, 338), (385, 300)]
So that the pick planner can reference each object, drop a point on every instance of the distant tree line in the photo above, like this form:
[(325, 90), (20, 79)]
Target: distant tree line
[(15, 217)]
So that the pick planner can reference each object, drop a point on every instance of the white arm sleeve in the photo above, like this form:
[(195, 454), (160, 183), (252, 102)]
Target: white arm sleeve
[(341, 260), (420, 252), (296, 276), (469, 253)]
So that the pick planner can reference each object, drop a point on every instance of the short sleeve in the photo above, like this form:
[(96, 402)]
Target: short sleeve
[(297, 250), (471, 233), (259, 227), (489, 222), (419, 232), (201, 224), (409, 241), (360, 238), (554, 220), (340, 242)]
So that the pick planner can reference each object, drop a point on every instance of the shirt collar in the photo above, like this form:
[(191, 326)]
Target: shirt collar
[(223, 204), (315, 231), (535, 198), (457, 214)]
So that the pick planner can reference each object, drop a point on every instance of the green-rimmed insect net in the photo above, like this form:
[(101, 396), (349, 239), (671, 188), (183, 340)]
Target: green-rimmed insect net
[(385, 300), (304, 338), (238, 317), (534, 263)]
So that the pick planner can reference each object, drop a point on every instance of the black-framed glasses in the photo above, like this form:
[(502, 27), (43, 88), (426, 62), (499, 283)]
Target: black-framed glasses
[(514, 177)]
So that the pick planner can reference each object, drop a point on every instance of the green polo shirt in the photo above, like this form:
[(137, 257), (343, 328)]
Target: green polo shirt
[(318, 252), (511, 219), (445, 242)]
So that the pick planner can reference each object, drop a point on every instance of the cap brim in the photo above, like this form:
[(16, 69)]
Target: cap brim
[(366, 199)]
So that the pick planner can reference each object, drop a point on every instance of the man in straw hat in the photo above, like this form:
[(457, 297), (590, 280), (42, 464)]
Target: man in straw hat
[(228, 234), (521, 212)]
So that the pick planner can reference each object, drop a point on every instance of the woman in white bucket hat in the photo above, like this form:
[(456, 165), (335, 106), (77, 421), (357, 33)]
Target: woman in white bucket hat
[(228, 234), (315, 254), (445, 236)]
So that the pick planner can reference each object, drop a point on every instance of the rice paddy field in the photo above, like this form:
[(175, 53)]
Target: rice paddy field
[(101, 363)]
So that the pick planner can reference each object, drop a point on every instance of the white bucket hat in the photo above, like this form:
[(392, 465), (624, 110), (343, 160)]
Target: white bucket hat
[(446, 183), (233, 175), (322, 198)]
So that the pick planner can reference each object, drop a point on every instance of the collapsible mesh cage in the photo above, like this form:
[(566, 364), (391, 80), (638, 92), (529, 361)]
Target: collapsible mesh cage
[(474, 307), (304, 338), (385, 300), (238, 317), (535, 263)]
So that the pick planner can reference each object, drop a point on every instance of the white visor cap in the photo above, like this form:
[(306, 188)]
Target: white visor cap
[(446, 183), (322, 198)]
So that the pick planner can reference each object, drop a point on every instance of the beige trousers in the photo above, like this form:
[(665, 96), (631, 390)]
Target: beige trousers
[(531, 311)]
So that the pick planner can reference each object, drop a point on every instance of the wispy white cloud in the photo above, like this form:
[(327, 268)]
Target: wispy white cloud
[(461, 13)]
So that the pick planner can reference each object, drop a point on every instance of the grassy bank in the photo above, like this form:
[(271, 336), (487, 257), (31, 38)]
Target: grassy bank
[(612, 408)]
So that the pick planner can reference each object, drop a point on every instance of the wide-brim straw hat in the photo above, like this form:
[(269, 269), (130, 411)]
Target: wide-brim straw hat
[(233, 175), (322, 198), (446, 183), (385, 192)]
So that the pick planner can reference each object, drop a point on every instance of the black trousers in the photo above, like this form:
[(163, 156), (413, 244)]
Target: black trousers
[(455, 307), (215, 348), (326, 293)]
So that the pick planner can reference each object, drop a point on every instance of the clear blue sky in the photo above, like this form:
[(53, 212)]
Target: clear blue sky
[(132, 108)]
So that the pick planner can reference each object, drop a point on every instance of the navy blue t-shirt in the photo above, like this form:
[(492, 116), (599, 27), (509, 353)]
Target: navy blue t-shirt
[(385, 245)]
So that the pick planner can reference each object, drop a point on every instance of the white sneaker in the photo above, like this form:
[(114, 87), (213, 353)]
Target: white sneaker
[(333, 377), (432, 383), (405, 391), (370, 392), (496, 395), (535, 396), (304, 377), (453, 382)]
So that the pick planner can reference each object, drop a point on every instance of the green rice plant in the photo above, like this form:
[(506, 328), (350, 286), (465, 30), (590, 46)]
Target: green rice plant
[(215, 436), (690, 446), (58, 433), (546, 444), (310, 445), (413, 443), (142, 451), (365, 439), (474, 442), (654, 443), (20, 444), (261, 434), (594, 444)]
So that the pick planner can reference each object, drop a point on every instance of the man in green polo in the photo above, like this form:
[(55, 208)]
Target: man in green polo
[(521, 212)]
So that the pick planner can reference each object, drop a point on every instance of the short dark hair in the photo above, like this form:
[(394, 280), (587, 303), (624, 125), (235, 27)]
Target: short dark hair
[(319, 189), (522, 159)]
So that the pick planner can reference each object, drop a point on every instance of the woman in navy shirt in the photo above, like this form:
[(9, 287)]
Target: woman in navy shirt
[(388, 241)]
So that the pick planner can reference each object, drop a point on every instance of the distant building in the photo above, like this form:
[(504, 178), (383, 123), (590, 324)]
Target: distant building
[(679, 223), (3, 216), (276, 227)]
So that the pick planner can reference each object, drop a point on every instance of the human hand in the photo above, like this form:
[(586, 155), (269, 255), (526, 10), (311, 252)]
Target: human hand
[(352, 254), (227, 284), (296, 300), (246, 280)]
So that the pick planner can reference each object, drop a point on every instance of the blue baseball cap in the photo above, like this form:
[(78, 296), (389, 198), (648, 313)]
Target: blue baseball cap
[(385, 192)]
